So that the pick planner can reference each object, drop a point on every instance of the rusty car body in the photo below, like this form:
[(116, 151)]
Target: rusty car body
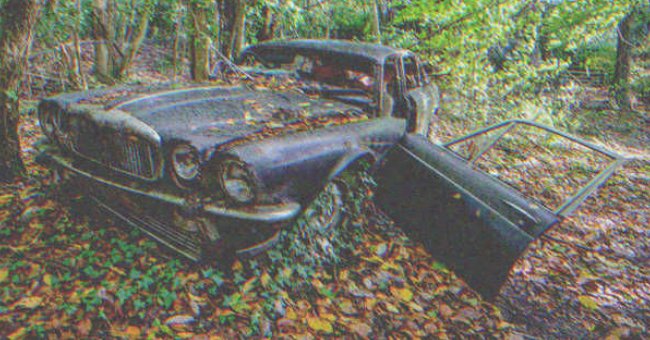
[(221, 170)]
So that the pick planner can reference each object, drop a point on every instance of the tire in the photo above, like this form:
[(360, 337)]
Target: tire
[(317, 228)]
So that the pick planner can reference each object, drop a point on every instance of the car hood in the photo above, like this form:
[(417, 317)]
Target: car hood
[(209, 117), (206, 117)]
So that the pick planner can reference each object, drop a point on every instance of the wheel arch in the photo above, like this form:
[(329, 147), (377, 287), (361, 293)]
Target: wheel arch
[(352, 161)]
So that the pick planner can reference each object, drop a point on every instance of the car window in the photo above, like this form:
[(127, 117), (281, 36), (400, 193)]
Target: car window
[(390, 77), (411, 72)]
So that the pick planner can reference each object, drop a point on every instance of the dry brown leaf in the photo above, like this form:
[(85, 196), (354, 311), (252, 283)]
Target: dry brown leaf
[(320, 325), (361, 329), (403, 294), (291, 314), (265, 279), (47, 279), (588, 302), (4, 199), (30, 302), (181, 319), (19, 333), (132, 332), (84, 326), (445, 311), (347, 307)]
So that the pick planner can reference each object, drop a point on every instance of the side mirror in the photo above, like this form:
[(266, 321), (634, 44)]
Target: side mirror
[(428, 68), (428, 71), (431, 72)]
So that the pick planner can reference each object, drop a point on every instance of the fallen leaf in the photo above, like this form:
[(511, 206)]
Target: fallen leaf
[(132, 332), (588, 302), (328, 316), (347, 307), (466, 315), (285, 323), (403, 294), (29, 302), (416, 307), (265, 279), (4, 199), (248, 285), (291, 314), (445, 311), (186, 335), (320, 325), (84, 326), (196, 308), (19, 333), (47, 279), (391, 308), (182, 319), (381, 250), (4, 272), (361, 329)]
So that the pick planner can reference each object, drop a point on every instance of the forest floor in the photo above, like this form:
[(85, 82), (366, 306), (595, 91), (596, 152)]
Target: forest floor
[(70, 275)]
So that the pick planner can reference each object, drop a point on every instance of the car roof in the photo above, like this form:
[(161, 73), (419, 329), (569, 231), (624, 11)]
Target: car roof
[(278, 49)]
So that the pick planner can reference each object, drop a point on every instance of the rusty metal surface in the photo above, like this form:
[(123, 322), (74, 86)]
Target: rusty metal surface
[(298, 165), (281, 51), (205, 117)]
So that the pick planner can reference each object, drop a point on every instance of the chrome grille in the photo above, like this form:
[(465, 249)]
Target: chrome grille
[(134, 157), (128, 154), (170, 235)]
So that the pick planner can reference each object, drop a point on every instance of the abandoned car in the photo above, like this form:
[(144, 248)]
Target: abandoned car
[(221, 170)]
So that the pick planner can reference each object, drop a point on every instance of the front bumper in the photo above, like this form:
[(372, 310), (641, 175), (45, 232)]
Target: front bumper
[(265, 219)]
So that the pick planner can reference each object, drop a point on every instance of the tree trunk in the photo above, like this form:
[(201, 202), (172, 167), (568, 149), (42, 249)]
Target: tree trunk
[(623, 60), (134, 42), (216, 40), (227, 21), (375, 29), (118, 38), (238, 28), (71, 54), (103, 33), (199, 43), (18, 18), (268, 25)]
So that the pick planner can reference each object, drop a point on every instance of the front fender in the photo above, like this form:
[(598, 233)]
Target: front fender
[(297, 166)]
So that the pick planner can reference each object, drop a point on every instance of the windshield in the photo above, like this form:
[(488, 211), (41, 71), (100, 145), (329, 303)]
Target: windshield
[(324, 75)]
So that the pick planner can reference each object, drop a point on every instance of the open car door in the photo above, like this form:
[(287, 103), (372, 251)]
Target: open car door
[(468, 219)]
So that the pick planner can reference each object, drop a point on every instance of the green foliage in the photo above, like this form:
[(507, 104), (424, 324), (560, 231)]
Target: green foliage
[(599, 57), (58, 21), (641, 86), (501, 53)]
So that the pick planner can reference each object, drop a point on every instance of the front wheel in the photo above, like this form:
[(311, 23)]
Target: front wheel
[(326, 212), (318, 224)]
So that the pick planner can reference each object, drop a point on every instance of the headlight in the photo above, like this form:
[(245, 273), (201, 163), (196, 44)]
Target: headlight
[(47, 124), (60, 128), (236, 181), (185, 162), (67, 129)]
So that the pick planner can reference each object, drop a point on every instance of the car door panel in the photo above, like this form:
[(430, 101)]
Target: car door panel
[(467, 219)]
